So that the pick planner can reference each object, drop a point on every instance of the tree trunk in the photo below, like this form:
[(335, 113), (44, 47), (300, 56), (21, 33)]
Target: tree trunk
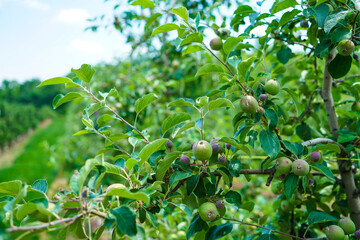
[(347, 176)]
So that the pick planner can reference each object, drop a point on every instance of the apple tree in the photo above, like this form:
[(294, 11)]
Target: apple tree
[(284, 79)]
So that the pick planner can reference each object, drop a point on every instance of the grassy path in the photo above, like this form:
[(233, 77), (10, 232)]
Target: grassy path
[(34, 162), (7, 157)]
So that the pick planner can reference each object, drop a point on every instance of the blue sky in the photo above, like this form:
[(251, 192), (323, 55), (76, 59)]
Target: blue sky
[(46, 38)]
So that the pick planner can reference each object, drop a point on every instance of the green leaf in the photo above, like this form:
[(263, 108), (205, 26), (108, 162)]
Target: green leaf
[(320, 13), (286, 17), (340, 66), (165, 28), (177, 176), (173, 120), (295, 98), (144, 101), (88, 122), (332, 19), (324, 169), (235, 168), (231, 43), (209, 68), (192, 49), (77, 180), (192, 37), (25, 210), (290, 185), (236, 144), (184, 208), (269, 143), (125, 193), (77, 228), (345, 138), (327, 148), (60, 98), (181, 12), (165, 163), (196, 225), (233, 197), (81, 132), (218, 231), (244, 66), (53, 81), (340, 34), (280, 5), (284, 55), (150, 149), (183, 127), (125, 220), (219, 103), (182, 102), (40, 185), (320, 217), (268, 237), (85, 72), (104, 119), (143, 3), (10, 188)]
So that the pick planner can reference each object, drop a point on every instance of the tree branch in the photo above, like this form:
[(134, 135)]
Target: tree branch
[(317, 141), (347, 175), (335, 83), (282, 233)]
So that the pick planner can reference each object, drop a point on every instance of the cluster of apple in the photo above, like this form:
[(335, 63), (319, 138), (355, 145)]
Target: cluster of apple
[(344, 227)]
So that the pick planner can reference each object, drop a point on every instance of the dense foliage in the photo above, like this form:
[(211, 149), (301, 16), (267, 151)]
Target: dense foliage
[(22, 107), (193, 138)]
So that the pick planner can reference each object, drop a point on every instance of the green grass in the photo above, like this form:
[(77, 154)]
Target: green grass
[(35, 161)]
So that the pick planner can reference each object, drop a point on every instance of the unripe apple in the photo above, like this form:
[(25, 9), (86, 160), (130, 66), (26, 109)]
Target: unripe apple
[(315, 156), (288, 130), (277, 187), (216, 148), (263, 97), (283, 165), (115, 185), (286, 206), (272, 87), (357, 234), (249, 104), (335, 232), (185, 160), (300, 167), (216, 43), (347, 225), (220, 204), (169, 144), (346, 47), (355, 107), (202, 150), (208, 211), (223, 33), (222, 159), (304, 24)]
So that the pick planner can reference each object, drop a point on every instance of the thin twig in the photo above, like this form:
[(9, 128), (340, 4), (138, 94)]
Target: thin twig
[(335, 83)]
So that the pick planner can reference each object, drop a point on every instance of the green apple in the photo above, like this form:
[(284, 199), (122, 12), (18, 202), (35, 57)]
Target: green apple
[(355, 107), (272, 87), (300, 167), (347, 225), (283, 165), (335, 232), (346, 47), (202, 150), (216, 44), (208, 211), (249, 104)]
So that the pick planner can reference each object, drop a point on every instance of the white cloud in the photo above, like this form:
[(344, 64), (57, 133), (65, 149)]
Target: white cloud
[(86, 46), (36, 4), (72, 15)]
